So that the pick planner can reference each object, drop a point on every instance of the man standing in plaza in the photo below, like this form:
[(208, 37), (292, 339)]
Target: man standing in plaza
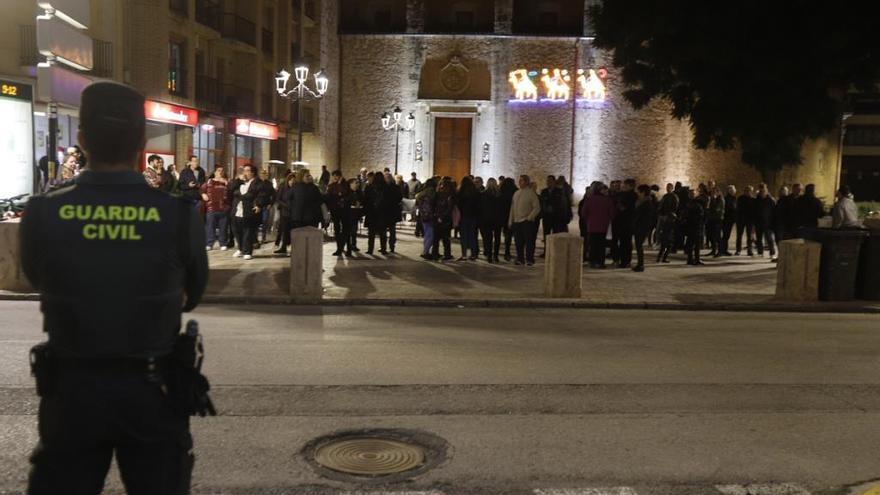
[(116, 263), (191, 179), (622, 226), (730, 217), (524, 210), (153, 172)]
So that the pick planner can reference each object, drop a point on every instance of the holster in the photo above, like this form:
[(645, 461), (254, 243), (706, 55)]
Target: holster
[(43, 368), (187, 386)]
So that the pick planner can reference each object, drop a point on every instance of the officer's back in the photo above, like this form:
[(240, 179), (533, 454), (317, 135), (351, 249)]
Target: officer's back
[(116, 263)]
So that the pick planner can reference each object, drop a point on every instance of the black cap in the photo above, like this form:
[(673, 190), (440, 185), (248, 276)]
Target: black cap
[(111, 103), (112, 121)]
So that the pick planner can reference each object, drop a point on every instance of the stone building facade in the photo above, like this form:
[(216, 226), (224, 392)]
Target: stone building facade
[(440, 75)]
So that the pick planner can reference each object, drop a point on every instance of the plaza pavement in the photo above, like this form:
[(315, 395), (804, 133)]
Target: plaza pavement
[(737, 282)]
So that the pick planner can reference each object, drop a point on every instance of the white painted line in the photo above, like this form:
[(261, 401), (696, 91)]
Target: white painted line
[(614, 490), (763, 489)]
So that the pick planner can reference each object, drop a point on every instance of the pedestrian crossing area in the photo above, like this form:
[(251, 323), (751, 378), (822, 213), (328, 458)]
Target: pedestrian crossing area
[(725, 489)]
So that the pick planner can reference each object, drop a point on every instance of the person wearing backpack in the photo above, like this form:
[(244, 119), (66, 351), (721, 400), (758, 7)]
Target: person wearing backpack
[(425, 214)]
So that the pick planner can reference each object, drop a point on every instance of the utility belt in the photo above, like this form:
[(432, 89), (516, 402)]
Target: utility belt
[(178, 375)]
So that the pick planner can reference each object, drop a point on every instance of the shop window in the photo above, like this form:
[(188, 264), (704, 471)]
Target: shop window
[(208, 146), (176, 68)]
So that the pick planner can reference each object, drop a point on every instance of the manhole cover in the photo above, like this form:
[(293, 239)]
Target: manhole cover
[(376, 455), (370, 456)]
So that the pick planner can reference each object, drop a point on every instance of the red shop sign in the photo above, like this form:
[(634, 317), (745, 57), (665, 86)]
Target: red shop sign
[(252, 128), (171, 114)]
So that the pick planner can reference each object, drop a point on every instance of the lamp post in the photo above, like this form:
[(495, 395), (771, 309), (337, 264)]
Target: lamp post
[(301, 93), (394, 123)]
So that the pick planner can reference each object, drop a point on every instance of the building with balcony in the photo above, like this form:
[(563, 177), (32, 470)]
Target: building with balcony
[(206, 66)]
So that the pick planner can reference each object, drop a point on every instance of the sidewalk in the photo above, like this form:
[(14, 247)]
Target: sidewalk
[(737, 283), (405, 279)]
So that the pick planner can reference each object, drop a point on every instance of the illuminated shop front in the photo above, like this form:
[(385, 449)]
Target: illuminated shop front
[(16, 139), (167, 128), (252, 141), (208, 140)]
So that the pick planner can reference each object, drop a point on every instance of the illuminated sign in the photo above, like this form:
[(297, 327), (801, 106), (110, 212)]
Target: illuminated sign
[(523, 86), (591, 86), (19, 91), (16, 147), (557, 85), (171, 114), (252, 128)]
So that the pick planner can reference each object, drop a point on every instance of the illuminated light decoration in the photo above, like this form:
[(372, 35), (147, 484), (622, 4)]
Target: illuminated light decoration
[(556, 84), (247, 127), (208, 127), (591, 86), (419, 150), (170, 114), (524, 88)]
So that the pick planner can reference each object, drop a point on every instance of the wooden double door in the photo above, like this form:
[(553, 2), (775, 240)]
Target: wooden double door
[(452, 147)]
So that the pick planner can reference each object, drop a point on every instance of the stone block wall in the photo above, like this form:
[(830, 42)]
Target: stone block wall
[(611, 142)]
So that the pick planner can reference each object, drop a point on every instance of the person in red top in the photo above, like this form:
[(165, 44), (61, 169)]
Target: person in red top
[(599, 211), (217, 206)]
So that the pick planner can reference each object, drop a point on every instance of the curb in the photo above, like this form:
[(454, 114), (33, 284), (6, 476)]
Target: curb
[(537, 303)]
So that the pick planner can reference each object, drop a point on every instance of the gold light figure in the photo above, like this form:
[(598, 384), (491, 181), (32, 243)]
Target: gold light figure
[(592, 88), (556, 84), (523, 85)]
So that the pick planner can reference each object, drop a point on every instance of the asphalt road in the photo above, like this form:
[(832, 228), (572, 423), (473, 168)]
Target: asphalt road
[(529, 401)]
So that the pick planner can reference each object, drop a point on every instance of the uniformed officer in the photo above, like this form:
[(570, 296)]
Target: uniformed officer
[(116, 262)]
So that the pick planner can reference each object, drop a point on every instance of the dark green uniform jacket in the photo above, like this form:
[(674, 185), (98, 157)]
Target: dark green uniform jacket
[(112, 258)]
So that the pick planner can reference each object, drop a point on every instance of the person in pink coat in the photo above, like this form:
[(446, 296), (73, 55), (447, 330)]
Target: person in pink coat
[(599, 211)]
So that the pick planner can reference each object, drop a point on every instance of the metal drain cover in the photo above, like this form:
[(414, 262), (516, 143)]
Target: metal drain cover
[(370, 456)]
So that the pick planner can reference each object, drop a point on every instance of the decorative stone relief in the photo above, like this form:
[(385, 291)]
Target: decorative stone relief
[(455, 77)]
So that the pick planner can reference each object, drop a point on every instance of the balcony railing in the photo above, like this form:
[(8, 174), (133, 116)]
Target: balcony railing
[(268, 42), (237, 99), (208, 90), (29, 55), (179, 7), (208, 13), (238, 28)]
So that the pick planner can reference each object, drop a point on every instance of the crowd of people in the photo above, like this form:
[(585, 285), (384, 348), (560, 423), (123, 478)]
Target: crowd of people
[(614, 219)]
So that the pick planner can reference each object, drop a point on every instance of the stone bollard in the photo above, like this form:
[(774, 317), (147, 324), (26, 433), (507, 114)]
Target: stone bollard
[(11, 275), (306, 265), (562, 267), (797, 273)]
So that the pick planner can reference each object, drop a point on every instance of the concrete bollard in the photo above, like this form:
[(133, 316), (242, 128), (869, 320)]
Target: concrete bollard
[(306, 264), (11, 275), (797, 273), (563, 268)]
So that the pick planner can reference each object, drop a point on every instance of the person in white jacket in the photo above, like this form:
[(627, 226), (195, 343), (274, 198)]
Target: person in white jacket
[(845, 213), (524, 210)]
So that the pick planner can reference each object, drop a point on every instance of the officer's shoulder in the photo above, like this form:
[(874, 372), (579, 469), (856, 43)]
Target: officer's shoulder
[(56, 192)]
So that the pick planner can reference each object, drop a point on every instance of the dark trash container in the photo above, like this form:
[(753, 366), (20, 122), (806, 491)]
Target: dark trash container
[(868, 281), (839, 264)]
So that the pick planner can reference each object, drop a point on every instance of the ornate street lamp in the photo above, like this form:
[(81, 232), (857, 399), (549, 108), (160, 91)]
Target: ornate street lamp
[(301, 93), (395, 123)]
